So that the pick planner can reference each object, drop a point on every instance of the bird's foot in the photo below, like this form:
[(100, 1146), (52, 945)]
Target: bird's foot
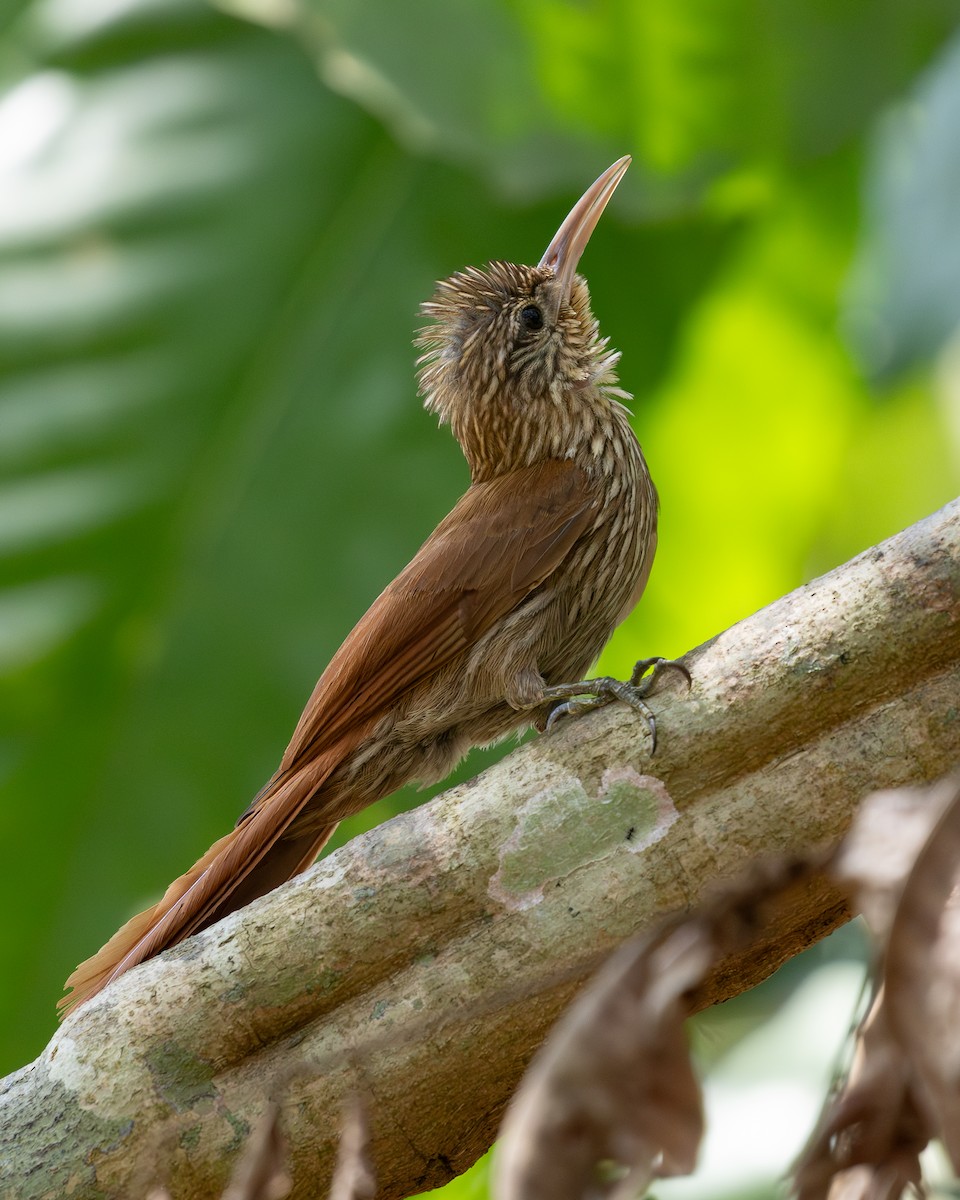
[(572, 699)]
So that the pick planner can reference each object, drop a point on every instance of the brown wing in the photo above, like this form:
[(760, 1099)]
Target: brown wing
[(502, 540)]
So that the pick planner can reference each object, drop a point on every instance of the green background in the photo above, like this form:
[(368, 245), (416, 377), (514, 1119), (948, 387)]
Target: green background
[(215, 230)]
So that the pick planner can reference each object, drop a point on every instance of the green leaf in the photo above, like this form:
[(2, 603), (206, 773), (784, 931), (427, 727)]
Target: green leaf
[(696, 90), (171, 248), (904, 301), (211, 454), (213, 459)]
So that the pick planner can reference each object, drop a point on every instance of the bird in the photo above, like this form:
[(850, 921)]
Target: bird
[(493, 624)]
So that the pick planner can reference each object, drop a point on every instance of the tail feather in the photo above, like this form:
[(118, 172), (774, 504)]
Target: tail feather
[(248, 862)]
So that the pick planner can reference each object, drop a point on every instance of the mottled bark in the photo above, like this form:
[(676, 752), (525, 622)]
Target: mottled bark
[(425, 961)]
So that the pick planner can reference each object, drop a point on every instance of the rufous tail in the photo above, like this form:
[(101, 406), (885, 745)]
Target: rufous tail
[(250, 861)]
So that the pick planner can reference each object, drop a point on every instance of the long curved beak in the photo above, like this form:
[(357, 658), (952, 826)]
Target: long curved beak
[(563, 254)]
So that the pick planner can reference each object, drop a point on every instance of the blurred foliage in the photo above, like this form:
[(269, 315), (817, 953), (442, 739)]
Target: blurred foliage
[(904, 298), (215, 229)]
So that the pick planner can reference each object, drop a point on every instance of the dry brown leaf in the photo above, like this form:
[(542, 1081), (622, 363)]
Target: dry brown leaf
[(353, 1177), (879, 852), (902, 860), (921, 970), (868, 1141), (261, 1172), (613, 1084), (871, 1183), (611, 1101)]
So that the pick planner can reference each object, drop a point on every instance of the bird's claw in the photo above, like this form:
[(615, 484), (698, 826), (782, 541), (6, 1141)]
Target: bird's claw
[(577, 705), (639, 677), (574, 699)]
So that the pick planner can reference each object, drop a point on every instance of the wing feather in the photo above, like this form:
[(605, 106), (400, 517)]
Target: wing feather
[(501, 541), (499, 544)]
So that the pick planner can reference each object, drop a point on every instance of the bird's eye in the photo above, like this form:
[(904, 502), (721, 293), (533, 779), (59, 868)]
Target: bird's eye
[(531, 317)]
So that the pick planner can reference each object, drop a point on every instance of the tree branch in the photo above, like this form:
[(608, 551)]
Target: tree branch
[(425, 961)]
